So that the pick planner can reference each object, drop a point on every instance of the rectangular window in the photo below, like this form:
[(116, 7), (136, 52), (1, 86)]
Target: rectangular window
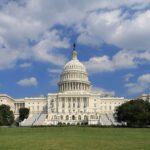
[(84, 102), (78, 101), (109, 107), (69, 102), (63, 102), (74, 100)]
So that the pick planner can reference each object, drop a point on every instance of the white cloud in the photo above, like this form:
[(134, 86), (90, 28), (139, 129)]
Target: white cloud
[(133, 33), (54, 75), (54, 80), (97, 21), (19, 26), (145, 78), (134, 88), (28, 82), (55, 71), (8, 58), (25, 65), (124, 59), (45, 50), (128, 76), (103, 92), (99, 64), (98, 27), (142, 84), (116, 27)]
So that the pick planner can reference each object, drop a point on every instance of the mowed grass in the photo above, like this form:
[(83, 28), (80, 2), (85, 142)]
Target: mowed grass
[(74, 138)]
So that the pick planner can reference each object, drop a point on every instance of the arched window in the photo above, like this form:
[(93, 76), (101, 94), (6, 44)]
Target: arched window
[(85, 117), (67, 117), (85, 102), (61, 117), (79, 117), (78, 103), (52, 103), (55, 117), (74, 100), (109, 107), (73, 117), (63, 102), (69, 102)]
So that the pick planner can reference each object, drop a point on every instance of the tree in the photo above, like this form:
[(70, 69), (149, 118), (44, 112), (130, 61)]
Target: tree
[(23, 113), (6, 115), (134, 113)]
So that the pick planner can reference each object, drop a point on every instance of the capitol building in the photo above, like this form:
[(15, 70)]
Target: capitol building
[(74, 103)]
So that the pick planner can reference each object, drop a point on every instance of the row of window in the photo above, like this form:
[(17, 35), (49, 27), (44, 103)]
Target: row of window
[(69, 110), (73, 67), (73, 86), (73, 75), (75, 102), (37, 108), (34, 103), (73, 117), (110, 103)]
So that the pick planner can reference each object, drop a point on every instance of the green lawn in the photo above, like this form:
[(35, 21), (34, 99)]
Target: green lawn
[(74, 138)]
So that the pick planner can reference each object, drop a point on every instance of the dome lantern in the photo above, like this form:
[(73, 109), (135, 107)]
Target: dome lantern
[(74, 52), (74, 55)]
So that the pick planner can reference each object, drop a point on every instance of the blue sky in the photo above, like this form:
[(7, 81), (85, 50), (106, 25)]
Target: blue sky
[(112, 39)]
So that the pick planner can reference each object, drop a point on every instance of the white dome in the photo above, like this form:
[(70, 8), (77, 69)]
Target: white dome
[(74, 65), (74, 76)]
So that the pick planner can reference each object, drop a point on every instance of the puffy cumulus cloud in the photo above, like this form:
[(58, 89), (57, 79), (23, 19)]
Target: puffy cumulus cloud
[(97, 21), (8, 58), (99, 64), (124, 59), (25, 65), (28, 82), (98, 27), (54, 81), (128, 76), (103, 92), (55, 75), (133, 33), (55, 71), (19, 27), (143, 83), (72, 12), (134, 88), (144, 78), (125, 30), (45, 50)]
